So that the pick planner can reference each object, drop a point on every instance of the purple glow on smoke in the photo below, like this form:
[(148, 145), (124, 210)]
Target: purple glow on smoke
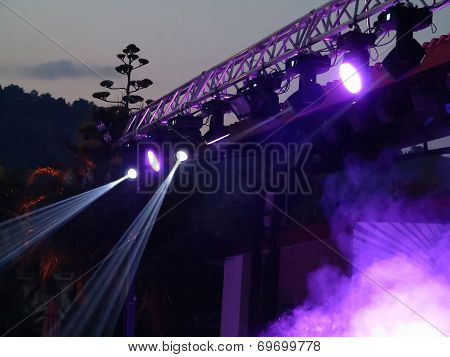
[(358, 307), (393, 241)]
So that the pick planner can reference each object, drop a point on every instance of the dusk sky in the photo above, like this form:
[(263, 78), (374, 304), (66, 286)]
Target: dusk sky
[(181, 38)]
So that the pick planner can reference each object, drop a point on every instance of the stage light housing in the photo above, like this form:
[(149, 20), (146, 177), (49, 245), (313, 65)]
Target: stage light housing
[(308, 66), (353, 70), (258, 98), (132, 174), (181, 155), (406, 16), (216, 109), (180, 122), (186, 126), (405, 19), (308, 95), (240, 106), (406, 55), (152, 160), (216, 106)]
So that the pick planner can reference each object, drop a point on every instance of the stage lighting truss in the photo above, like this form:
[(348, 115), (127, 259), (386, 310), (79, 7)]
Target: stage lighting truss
[(314, 32)]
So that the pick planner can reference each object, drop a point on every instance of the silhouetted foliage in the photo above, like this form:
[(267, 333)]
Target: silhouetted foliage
[(128, 57), (36, 127)]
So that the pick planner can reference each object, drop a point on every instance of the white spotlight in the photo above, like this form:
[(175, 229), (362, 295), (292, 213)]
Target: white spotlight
[(132, 174), (181, 155)]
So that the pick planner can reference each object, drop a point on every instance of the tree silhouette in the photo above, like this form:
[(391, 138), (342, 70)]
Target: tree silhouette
[(130, 62)]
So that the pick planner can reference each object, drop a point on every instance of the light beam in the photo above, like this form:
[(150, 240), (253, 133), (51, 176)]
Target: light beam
[(97, 308), (19, 234)]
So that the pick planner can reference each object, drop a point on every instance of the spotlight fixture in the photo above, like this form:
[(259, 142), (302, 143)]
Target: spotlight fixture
[(159, 133), (216, 110), (181, 155), (308, 66), (186, 126), (258, 99), (350, 77), (353, 69), (132, 174), (153, 160), (405, 19)]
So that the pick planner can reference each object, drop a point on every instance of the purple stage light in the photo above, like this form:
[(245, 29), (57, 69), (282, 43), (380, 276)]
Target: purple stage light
[(153, 161), (350, 77)]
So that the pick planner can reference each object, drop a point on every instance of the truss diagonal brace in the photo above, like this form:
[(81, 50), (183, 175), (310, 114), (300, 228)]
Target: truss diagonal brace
[(311, 31)]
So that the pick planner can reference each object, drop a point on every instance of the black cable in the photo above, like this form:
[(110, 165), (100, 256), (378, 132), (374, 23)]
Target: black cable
[(387, 43), (433, 28), (369, 29), (335, 62), (377, 55), (381, 38), (207, 122)]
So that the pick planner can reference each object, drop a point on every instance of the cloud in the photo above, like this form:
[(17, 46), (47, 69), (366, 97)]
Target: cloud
[(60, 69)]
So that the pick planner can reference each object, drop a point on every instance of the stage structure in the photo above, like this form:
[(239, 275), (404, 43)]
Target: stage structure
[(315, 33)]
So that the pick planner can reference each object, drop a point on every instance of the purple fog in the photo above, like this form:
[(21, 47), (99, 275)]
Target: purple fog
[(398, 282)]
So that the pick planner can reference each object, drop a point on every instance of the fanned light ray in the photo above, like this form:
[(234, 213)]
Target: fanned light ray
[(414, 240), (394, 239), (408, 260), (97, 308), (19, 234)]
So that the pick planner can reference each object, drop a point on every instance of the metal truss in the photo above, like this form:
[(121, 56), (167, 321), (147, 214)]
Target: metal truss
[(313, 32)]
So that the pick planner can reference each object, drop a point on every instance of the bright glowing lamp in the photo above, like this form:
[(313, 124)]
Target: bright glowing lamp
[(181, 155), (132, 174), (350, 77), (354, 68), (153, 161)]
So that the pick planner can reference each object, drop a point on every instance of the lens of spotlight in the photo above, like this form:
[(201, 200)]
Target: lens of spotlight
[(354, 68), (181, 155), (350, 77), (153, 161), (132, 174)]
